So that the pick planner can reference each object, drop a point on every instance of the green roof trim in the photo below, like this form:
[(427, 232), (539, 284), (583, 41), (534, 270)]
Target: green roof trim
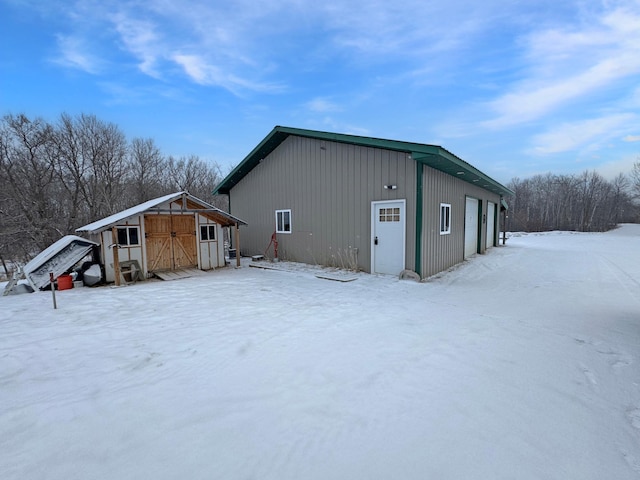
[(432, 155)]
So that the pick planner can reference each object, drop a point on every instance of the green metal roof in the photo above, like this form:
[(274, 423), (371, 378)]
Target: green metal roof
[(431, 155)]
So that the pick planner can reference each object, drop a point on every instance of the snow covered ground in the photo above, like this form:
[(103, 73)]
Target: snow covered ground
[(519, 364)]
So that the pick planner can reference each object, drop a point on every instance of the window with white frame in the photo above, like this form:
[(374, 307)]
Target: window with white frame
[(207, 233), (128, 236), (389, 214), (445, 218), (283, 221)]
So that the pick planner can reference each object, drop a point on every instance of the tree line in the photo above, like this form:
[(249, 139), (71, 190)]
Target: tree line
[(585, 202), (58, 176)]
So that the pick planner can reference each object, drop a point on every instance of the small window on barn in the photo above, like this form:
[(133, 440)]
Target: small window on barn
[(128, 237), (207, 233), (445, 218), (389, 214), (283, 221)]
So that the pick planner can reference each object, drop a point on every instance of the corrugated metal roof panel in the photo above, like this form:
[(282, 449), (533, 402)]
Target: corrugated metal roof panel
[(119, 217), (57, 259), (432, 155)]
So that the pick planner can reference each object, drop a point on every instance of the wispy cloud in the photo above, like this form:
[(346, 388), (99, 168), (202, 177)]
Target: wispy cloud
[(570, 136), (203, 72), (632, 138), (331, 124), (568, 64), (323, 105), (383, 29), (75, 53), (243, 47), (139, 37), (211, 43)]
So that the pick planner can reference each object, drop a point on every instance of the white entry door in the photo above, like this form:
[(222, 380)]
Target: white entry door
[(471, 227), (388, 225), (491, 224)]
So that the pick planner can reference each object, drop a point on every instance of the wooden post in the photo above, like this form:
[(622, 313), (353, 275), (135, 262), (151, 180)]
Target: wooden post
[(53, 289), (116, 256), (237, 245), (504, 227)]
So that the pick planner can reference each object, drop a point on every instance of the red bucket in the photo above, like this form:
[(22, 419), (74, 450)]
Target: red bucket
[(65, 282)]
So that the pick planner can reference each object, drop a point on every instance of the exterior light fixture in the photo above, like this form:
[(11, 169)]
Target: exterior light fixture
[(390, 187)]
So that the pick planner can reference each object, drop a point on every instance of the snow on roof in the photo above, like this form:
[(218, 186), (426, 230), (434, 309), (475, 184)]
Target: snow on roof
[(111, 220), (129, 212), (57, 258)]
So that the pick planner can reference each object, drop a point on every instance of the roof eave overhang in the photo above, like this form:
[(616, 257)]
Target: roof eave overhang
[(447, 162), (190, 204)]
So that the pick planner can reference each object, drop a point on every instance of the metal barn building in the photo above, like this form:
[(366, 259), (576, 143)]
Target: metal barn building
[(382, 206)]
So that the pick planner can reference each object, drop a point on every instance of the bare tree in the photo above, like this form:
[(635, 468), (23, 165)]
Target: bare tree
[(585, 202), (635, 180), (57, 177), (29, 197), (104, 147), (147, 168), (194, 175), (73, 170)]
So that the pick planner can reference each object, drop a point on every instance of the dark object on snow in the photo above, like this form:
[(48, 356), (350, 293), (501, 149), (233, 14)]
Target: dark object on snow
[(19, 289)]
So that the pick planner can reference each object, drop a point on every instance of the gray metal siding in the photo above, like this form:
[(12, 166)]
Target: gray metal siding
[(440, 252), (329, 188)]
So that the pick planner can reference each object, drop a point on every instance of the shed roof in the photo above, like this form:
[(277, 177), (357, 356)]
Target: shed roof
[(57, 258), (431, 155), (193, 204)]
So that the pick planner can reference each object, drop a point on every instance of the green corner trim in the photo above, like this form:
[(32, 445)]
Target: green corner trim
[(419, 201)]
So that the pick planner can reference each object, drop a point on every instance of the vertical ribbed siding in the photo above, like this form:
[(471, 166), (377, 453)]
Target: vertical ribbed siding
[(329, 187), (440, 252)]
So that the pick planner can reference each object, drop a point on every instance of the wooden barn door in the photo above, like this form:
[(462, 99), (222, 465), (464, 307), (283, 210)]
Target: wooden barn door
[(184, 241), (170, 242), (158, 241)]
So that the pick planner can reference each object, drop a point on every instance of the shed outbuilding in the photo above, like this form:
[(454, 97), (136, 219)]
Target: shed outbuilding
[(168, 233), (382, 206)]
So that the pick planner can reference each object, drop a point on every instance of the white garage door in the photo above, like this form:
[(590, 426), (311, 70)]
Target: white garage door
[(491, 224), (471, 227)]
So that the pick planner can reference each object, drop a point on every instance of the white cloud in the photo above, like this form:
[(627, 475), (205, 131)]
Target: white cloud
[(612, 169), (202, 72), (570, 136), (74, 53), (322, 105), (632, 138), (383, 29), (139, 37), (196, 68), (568, 64)]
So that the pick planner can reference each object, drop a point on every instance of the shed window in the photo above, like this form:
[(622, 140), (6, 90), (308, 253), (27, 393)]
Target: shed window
[(128, 237), (445, 218), (283, 221), (207, 233)]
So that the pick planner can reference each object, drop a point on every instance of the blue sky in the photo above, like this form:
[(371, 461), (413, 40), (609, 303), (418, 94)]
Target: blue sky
[(514, 88)]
